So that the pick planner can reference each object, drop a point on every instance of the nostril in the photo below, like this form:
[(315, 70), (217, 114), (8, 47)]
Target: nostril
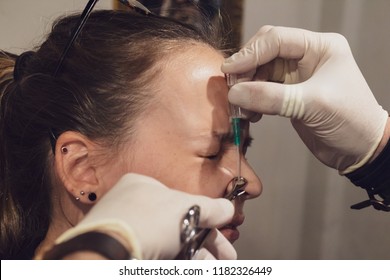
[(238, 189), (254, 188)]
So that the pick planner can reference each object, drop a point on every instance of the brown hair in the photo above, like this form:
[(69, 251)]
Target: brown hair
[(102, 89)]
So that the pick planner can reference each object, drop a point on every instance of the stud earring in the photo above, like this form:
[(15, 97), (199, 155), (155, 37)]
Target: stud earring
[(64, 150), (92, 196)]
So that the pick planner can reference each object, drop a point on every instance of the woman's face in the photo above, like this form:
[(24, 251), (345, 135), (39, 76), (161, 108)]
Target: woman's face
[(184, 140)]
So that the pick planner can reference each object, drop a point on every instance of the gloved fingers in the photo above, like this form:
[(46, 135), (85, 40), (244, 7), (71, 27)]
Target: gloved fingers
[(270, 43), (250, 115), (255, 117), (219, 246), (203, 254), (260, 97), (262, 30), (246, 75), (214, 212), (281, 71)]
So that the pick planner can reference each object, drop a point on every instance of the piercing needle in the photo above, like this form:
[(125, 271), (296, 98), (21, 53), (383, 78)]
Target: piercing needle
[(235, 112)]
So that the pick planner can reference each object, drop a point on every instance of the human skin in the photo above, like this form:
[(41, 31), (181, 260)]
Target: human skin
[(184, 141)]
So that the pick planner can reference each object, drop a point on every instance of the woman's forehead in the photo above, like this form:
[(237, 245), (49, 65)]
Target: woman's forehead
[(193, 85), (193, 74)]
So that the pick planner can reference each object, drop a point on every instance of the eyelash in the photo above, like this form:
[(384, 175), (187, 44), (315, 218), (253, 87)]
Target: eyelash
[(213, 157), (247, 144), (217, 155)]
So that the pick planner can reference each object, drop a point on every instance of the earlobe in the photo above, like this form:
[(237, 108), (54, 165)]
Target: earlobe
[(91, 196), (75, 167)]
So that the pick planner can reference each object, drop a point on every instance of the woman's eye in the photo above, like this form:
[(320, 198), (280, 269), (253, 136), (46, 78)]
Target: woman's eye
[(213, 157)]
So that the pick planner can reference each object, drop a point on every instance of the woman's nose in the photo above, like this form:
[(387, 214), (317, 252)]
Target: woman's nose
[(254, 186)]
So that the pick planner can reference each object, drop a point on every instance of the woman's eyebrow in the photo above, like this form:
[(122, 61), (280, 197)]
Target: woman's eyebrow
[(248, 141), (228, 137)]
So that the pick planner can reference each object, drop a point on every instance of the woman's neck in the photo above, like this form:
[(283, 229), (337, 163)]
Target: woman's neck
[(65, 215)]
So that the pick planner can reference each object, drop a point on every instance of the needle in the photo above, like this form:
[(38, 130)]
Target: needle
[(236, 115)]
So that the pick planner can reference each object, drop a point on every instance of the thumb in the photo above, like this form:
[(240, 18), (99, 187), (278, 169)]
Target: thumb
[(261, 97), (214, 212), (219, 246), (270, 98)]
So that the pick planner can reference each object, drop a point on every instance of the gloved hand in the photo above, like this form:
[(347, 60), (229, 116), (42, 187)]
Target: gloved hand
[(314, 80), (148, 217)]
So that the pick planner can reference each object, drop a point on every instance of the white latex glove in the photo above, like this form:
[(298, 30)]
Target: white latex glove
[(315, 82), (148, 216)]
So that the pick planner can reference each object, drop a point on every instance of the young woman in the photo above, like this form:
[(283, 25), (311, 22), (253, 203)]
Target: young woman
[(135, 94)]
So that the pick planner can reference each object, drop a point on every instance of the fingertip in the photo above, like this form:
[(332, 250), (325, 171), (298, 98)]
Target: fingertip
[(215, 212), (227, 206), (226, 209), (259, 97), (240, 62), (217, 244), (203, 254), (228, 65), (255, 117), (238, 95)]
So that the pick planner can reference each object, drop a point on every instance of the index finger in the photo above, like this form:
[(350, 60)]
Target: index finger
[(269, 43), (214, 212)]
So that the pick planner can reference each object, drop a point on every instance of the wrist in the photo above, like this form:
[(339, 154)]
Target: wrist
[(374, 177)]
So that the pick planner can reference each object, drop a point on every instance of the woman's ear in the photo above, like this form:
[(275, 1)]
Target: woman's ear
[(75, 166)]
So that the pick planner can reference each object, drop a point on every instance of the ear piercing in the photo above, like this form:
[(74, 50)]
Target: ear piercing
[(81, 193), (91, 196)]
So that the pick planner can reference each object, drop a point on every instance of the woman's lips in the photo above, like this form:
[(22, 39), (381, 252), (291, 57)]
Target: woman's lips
[(230, 231)]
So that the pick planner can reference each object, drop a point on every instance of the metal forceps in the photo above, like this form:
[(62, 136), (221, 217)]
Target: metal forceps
[(192, 236)]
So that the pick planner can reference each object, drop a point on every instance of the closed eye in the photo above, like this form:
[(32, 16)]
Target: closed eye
[(228, 140), (225, 142), (213, 157)]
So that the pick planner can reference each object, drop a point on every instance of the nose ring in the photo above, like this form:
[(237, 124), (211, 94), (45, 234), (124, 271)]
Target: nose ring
[(239, 184), (191, 235)]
